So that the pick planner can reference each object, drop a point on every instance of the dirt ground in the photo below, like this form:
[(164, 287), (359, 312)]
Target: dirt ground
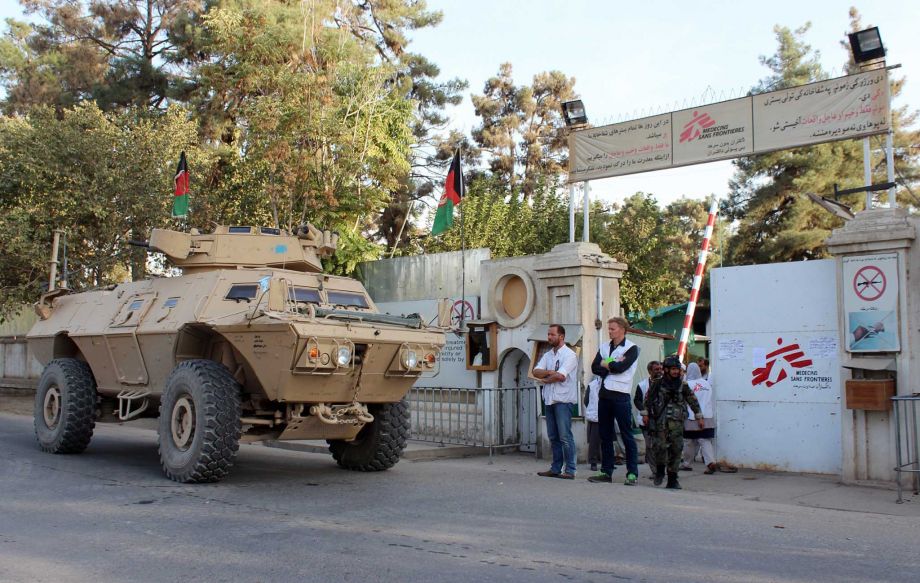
[(19, 404)]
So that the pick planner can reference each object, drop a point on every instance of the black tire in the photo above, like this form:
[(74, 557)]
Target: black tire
[(380, 443), (65, 406), (203, 399)]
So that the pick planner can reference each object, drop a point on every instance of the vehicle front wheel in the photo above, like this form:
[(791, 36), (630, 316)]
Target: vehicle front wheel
[(379, 444), (65, 406), (199, 426)]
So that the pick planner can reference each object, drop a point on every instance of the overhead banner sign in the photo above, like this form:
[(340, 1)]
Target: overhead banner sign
[(870, 300), (844, 108)]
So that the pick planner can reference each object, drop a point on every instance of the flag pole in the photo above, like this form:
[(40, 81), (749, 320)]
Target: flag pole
[(462, 245)]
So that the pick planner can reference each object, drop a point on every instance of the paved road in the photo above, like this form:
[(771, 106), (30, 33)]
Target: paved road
[(110, 515)]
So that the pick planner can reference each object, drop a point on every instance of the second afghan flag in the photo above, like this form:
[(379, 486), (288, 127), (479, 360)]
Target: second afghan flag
[(180, 198), (453, 194)]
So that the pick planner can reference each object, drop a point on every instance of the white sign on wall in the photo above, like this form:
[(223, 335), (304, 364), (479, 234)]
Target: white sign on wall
[(870, 301), (843, 108)]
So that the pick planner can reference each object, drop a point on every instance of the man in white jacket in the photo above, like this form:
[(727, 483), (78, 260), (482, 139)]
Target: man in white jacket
[(616, 364)]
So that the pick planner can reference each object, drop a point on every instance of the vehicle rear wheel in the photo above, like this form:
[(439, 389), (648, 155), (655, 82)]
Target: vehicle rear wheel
[(65, 406), (199, 425), (380, 443)]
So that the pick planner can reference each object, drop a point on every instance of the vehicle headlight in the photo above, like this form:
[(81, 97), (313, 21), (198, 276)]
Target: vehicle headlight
[(410, 359), (344, 356)]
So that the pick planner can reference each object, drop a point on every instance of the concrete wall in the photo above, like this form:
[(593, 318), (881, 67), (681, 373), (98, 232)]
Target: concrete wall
[(19, 369)]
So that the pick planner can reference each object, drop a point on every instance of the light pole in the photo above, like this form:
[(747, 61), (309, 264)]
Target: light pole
[(573, 112), (869, 53)]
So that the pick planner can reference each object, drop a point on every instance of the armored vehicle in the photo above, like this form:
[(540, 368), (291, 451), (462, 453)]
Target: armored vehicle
[(252, 342)]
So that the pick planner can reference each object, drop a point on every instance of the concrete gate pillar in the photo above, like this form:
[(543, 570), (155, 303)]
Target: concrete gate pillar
[(575, 284), (581, 285), (869, 435)]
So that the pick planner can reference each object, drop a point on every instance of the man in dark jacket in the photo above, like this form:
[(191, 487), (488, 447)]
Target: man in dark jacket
[(664, 411)]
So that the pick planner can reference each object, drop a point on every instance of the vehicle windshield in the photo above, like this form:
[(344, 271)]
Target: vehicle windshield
[(347, 299)]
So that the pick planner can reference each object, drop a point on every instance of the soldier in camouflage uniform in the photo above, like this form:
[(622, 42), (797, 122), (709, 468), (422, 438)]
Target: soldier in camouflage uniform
[(664, 411)]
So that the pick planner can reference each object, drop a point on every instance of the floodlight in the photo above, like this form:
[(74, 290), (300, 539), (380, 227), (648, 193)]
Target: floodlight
[(867, 45), (574, 113)]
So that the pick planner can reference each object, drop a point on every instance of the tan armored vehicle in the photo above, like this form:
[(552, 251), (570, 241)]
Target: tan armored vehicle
[(251, 342)]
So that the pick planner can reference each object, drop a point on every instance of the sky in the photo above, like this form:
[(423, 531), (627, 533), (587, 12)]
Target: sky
[(630, 59)]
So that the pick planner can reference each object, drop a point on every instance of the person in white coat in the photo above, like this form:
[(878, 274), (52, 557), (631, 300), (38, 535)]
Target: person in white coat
[(593, 429), (698, 440)]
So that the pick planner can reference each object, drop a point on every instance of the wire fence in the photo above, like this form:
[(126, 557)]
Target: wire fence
[(489, 418)]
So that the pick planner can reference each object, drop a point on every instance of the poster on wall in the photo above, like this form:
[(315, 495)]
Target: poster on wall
[(870, 302)]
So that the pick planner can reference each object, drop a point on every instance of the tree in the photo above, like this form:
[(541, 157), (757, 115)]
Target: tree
[(521, 129), (326, 135), (104, 178), (775, 221), (118, 53)]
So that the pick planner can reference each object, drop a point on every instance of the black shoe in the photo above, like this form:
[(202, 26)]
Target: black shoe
[(601, 477), (548, 474), (659, 476), (566, 476), (673, 484), (593, 467)]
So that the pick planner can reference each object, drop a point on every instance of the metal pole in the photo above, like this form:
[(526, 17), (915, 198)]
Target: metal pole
[(571, 213), (889, 164), (403, 226), (462, 251), (584, 235), (867, 171), (897, 432)]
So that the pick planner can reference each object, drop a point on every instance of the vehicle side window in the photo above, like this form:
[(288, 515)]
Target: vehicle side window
[(305, 294), (348, 299), (242, 291)]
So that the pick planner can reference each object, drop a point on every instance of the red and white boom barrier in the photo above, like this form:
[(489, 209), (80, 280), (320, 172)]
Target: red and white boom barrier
[(697, 280)]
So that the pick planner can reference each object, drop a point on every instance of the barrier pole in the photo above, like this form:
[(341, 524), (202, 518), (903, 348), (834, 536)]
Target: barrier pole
[(697, 280)]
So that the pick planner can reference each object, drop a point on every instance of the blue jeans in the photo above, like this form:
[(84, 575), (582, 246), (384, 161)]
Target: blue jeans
[(619, 410), (559, 432)]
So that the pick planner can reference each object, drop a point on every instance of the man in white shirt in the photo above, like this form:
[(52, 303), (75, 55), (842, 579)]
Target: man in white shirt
[(557, 370)]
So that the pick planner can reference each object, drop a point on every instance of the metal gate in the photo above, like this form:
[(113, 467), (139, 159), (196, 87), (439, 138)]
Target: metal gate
[(490, 417)]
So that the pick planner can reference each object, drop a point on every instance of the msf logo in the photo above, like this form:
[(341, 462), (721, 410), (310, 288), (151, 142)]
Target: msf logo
[(694, 128), (791, 354)]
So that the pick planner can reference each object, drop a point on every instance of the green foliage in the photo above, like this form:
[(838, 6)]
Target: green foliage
[(117, 53), (102, 178), (506, 225), (659, 245)]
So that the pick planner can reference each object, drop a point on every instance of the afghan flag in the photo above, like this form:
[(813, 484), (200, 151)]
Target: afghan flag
[(180, 200), (453, 194)]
